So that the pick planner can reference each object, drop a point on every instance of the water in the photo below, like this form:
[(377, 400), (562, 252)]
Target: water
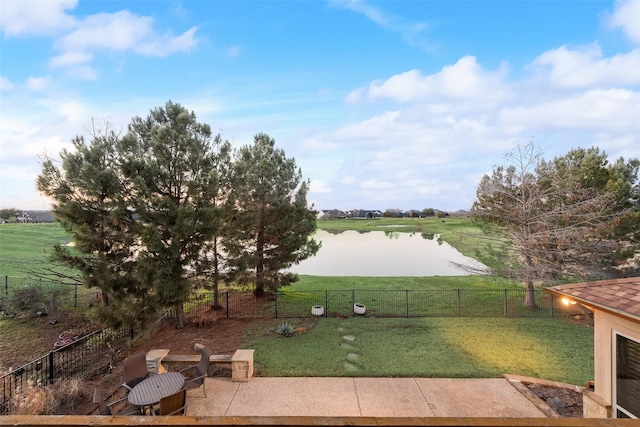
[(383, 254)]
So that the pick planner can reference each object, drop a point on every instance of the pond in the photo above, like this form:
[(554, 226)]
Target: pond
[(384, 254)]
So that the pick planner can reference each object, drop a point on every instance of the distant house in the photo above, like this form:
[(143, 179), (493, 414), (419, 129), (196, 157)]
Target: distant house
[(393, 213), (331, 214), (363, 213), (616, 343), (323, 215)]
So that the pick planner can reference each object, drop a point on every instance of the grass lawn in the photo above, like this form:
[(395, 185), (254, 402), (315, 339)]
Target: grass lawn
[(553, 349), (28, 246), (331, 283)]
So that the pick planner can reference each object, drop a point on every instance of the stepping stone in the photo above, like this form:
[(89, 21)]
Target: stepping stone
[(350, 366), (346, 346)]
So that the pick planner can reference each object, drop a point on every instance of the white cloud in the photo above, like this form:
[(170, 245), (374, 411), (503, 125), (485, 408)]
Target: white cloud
[(44, 18), (596, 110), (68, 59), (6, 85), (626, 16), (410, 31), (35, 84), (586, 66), (464, 79), (319, 186), (123, 31)]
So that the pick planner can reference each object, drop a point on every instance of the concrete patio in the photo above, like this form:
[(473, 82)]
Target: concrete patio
[(361, 397)]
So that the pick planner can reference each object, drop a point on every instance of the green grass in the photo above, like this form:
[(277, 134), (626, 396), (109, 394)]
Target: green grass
[(552, 349), (313, 283), (28, 246)]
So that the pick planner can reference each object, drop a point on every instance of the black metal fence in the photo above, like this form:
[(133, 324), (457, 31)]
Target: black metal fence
[(379, 303), (95, 352), (23, 293), (81, 358)]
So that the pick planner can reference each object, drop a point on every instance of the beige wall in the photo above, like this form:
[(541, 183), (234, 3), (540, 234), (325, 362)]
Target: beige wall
[(605, 326)]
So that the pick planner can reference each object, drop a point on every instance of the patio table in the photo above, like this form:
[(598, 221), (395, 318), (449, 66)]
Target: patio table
[(149, 391)]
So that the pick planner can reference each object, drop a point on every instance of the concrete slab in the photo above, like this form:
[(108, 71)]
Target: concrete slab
[(493, 397), (295, 396), (391, 397), (220, 394), (361, 397)]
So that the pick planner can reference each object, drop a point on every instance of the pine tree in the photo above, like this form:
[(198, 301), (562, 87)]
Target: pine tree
[(270, 225)]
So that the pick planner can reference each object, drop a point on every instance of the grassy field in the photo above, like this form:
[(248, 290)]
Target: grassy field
[(552, 349), (313, 283), (430, 347), (28, 246)]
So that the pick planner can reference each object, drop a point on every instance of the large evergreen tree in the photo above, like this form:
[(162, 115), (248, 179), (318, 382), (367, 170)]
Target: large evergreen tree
[(141, 209), (270, 225), (172, 183), (89, 200)]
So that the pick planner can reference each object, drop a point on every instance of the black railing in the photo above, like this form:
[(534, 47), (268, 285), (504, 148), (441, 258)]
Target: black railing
[(81, 358)]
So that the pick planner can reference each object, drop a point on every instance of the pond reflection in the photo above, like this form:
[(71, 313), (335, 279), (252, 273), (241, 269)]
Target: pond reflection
[(383, 253)]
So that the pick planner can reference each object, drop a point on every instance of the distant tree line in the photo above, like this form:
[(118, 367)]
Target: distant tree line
[(168, 202)]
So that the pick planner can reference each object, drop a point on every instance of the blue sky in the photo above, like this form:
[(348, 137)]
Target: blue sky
[(383, 104)]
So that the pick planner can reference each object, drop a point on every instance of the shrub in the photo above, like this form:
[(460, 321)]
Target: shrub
[(286, 330), (61, 398), (28, 297), (31, 400)]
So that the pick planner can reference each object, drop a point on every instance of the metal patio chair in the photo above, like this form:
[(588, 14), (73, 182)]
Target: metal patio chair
[(135, 370), (106, 408), (197, 379)]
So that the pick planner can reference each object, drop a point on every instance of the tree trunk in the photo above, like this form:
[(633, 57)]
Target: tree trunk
[(105, 298), (259, 290), (216, 276), (530, 296), (181, 319)]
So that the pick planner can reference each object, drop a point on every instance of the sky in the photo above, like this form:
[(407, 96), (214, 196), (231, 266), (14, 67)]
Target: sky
[(382, 104)]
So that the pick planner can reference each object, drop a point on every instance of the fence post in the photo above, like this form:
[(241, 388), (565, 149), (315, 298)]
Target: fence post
[(552, 299), (326, 302), (505, 303), (276, 303), (353, 301), (75, 296), (458, 302), (51, 370), (406, 301)]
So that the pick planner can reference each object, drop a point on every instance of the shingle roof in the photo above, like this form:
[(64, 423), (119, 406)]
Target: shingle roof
[(619, 296)]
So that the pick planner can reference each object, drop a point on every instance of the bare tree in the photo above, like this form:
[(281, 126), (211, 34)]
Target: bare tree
[(545, 221)]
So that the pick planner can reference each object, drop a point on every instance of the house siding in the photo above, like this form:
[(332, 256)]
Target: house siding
[(606, 326)]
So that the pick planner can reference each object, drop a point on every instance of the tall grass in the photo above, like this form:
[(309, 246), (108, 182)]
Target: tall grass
[(552, 349)]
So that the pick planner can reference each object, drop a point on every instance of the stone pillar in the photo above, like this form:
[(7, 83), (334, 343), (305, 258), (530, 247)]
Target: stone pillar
[(242, 366)]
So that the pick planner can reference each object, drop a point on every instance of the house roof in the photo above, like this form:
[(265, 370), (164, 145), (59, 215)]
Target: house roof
[(616, 296)]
